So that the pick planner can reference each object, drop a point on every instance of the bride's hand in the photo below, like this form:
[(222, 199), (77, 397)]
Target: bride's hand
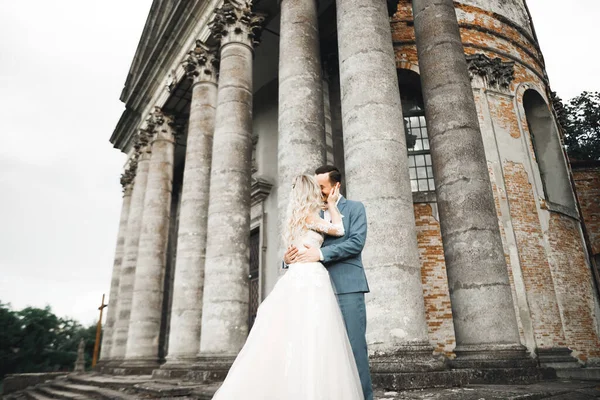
[(334, 195)]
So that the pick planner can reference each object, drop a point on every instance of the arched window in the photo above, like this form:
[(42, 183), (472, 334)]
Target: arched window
[(548, 150), (415, 125)]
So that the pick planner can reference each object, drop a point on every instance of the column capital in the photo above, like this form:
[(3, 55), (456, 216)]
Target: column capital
[(161, 125), (141, 140), (495, 72), (236, 22), (201, 64), (128, 176)]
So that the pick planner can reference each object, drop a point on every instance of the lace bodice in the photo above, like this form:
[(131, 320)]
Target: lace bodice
[(315, 234), (309, 237)]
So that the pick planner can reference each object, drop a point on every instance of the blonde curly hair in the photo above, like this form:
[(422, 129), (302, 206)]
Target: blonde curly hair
[(305, 201)]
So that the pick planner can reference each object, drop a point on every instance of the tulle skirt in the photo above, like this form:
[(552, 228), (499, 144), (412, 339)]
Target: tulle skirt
[(298, 348)]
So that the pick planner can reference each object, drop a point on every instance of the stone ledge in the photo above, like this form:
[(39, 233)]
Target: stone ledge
[(420, 380), (125, 371), (585, 374), (507, 376)]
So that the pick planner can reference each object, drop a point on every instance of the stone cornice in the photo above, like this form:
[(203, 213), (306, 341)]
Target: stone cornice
[(236, 22), (260, 189), (168, 33)]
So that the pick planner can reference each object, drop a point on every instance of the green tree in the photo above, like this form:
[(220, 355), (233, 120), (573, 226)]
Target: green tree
[(38, 337), (9, 339), (580, 119), (36, 340)]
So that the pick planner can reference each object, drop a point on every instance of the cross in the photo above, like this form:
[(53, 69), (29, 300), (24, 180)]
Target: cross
[(98, 332)]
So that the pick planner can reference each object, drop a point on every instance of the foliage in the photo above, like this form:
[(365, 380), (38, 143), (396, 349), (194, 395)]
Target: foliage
[(36, 340), (580, 119)]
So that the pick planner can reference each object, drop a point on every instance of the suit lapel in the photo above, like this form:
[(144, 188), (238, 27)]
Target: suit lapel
[(342, 205)]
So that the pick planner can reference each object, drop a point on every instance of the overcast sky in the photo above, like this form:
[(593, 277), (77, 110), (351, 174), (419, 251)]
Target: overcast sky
[(63, 64)]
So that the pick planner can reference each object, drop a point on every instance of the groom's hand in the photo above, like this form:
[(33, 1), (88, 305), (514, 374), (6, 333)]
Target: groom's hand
[(290, 255), (311, 254)]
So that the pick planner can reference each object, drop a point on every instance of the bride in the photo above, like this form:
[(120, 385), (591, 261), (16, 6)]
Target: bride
[(298, 348)]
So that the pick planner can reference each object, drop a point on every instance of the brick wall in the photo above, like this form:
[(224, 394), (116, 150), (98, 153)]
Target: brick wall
[(573, 285), (539, 286), (434, 279), (554, 282), (587, 183)]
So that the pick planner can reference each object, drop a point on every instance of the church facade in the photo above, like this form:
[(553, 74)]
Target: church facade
[(444, 129)]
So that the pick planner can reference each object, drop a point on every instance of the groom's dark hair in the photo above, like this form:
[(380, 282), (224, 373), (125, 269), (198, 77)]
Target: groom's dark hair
[(335, 176)]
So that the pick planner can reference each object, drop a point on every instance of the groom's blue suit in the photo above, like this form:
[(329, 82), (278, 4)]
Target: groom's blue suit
[(342, 258)]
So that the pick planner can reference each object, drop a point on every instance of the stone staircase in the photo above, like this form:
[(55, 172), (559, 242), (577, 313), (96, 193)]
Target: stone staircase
[(94, 386), (98, 386)]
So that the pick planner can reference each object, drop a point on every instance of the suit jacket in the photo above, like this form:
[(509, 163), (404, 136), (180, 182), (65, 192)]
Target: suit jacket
[(342, 255)]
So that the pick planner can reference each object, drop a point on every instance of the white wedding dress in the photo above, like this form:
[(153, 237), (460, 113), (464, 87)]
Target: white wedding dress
[(298, 348)]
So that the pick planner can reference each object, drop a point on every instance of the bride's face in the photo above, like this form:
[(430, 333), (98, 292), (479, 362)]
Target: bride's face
[(325, 184)]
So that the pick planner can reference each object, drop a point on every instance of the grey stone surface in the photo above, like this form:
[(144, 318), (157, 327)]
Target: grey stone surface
[(80, 361), (146, 309), (142, 387), (546, 390), (127, 275), (225, 302), (484, 318), (301, 144), (377, 174), (588, 374), (111, 313), (186, 312), (557, 358), (89, 391)]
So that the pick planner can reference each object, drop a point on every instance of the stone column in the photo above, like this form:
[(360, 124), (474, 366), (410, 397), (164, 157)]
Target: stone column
[(186, 313), (377, 174), (146, 309), (484, 318), (107, 336), (301, 142), (225, 303), (123, 306)]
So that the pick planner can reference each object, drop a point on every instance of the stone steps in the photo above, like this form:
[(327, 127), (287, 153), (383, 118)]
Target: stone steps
[(102, 387), (107, 381), (54, 393), (32, 394), (90, 391)]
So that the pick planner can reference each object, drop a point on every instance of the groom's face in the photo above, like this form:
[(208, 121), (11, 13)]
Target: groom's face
[(325, 184)]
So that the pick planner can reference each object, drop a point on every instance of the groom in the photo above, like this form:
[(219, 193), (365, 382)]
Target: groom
[(342, 258)]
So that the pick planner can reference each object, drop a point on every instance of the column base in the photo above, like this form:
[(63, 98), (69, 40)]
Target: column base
[(205, 369), (415, 358), (557, 358), (137, 366), (176, 368), (100, 364), (420, 380), (492, 356), (414, 367), (107, 366)]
